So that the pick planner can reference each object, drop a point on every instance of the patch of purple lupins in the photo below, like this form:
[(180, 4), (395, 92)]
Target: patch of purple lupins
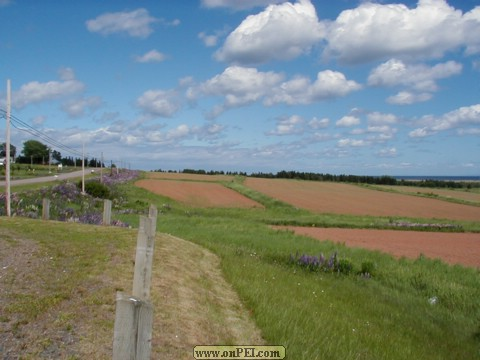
[(315, 263), (67, 203)]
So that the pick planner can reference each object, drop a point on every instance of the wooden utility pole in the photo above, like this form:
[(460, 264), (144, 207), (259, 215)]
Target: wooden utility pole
[(7, 150), (83, 168)]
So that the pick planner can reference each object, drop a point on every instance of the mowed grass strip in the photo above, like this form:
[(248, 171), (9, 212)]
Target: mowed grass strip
[(58, 284), (339, 198)]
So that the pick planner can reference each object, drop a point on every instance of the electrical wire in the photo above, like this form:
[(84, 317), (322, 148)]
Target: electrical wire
[(18, 124)]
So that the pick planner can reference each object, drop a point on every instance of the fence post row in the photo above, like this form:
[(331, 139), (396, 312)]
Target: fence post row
[(134, 314)]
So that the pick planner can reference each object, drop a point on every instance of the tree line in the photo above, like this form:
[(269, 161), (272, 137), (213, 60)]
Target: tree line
[(356, 179), (367, 179), (34, 152)]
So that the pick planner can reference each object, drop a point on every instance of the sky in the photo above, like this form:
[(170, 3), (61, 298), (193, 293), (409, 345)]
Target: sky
[(340, 87)]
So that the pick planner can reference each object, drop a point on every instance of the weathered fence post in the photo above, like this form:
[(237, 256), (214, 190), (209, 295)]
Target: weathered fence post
[(134, 314), (46, 209), (144, 258), (132, 336), (107, 212)]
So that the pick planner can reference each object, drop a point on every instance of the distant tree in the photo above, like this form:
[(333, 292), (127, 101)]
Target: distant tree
[(35, 150), (3, 150), (56, 155)]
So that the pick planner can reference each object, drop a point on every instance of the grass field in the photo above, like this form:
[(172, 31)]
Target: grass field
[(402, 309)]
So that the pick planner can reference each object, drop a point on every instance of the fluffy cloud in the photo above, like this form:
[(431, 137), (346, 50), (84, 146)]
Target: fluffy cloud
[(316, 124), (375, 31), (151, 56), (289, 126), (407, 98), (36, 92), (348, 121), (76, 108), (242, 85), (238, 5), (390, 152), (377, 119), (300, 90), (418, 77), (239, 86), (281, 32), (135, 23), (460, 119), (159, 103), (352, 143)]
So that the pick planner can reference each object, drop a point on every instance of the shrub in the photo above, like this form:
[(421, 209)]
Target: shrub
[(367, 268), (96, 189), (344, 266)]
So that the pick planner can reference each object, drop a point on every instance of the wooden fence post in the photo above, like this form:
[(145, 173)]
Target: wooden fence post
[(46, 209), (107, 212), (142, 276), (132, 337), (134, 314)]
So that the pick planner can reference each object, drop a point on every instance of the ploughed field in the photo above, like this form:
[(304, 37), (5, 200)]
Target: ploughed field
[(339, 198)]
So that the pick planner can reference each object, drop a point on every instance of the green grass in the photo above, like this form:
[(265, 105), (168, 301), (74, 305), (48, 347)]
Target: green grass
[(331, 316), (321, 315)]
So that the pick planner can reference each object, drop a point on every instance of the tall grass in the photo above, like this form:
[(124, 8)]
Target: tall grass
[(423, 309), (407, 309)]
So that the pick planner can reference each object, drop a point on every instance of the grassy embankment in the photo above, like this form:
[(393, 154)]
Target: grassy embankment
[(319, 315), (408, 309)]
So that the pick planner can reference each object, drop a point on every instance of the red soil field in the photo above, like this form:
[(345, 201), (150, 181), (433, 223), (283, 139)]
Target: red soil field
[(339, 198), (471, 196), (192, 177), (453, 248), (198, 194)]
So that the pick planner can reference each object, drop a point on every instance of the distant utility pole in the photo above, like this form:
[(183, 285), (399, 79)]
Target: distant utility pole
[(101, 168), (83, 168), (7, 150)]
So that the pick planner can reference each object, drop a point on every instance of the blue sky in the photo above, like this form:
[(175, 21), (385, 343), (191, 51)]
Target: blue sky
[(325, 86)]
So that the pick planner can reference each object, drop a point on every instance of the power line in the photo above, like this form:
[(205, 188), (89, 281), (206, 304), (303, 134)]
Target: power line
[(23, 126)]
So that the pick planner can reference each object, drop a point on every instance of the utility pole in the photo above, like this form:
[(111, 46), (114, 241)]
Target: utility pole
[(7, 151), (83, 168), (101, 169)]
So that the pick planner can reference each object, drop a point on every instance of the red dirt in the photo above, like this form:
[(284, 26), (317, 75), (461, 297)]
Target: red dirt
[(199, 194), (338, 198), (186, 176), (453, 248)]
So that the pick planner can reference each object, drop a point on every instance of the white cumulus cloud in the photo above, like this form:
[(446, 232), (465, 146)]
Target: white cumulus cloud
[(151, 56), (407, 98), (464, 119), (136, 23), (238, 5), (420, 77), (348, 121), (374, 31), (280, 32), (36, 92), (300, 90), (289, 126), (159, 103)]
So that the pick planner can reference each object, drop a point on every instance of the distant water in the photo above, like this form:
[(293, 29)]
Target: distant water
[(440, 178)]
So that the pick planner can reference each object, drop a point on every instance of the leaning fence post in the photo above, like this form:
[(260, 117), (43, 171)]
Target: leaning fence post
[(46, 209), (107, 212), (132, 334)]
